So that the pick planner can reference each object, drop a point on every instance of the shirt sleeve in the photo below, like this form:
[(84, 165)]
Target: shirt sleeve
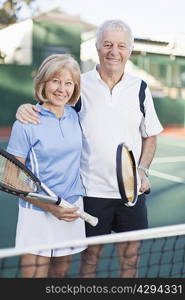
[(150, 124), (19, 142)]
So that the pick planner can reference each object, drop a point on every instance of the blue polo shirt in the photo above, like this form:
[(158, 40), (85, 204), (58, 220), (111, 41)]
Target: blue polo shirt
[(52, 150)]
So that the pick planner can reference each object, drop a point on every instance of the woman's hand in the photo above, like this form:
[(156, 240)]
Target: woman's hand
[(28, 113), (61, 213), (66, 214)]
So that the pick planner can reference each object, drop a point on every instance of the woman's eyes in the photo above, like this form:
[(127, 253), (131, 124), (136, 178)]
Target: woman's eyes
[(55, 80)]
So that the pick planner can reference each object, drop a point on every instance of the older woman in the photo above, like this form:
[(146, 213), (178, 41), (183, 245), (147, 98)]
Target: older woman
[(52, 151)]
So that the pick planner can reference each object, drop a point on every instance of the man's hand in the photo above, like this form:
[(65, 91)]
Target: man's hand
[(28, 113), (148, 151), (145, 182)]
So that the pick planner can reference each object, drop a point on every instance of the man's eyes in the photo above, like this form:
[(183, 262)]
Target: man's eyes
[(107, 45), (121, 46)]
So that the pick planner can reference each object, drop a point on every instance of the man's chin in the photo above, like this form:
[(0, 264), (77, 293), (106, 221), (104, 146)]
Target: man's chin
[(114, 68)]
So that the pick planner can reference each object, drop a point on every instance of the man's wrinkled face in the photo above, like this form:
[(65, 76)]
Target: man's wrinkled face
[(114, 50)]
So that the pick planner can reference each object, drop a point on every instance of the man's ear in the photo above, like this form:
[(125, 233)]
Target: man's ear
[(96, 47), (130, 51)]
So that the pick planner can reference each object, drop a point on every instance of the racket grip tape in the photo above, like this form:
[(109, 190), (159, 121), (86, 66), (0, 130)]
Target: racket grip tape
[(148, 191), (84, 215), (88, 218)]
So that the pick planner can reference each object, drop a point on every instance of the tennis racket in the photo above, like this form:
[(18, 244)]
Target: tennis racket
[(17, 179), (127, 176)]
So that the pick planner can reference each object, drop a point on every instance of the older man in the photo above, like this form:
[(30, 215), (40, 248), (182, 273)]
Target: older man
[(110, 112)]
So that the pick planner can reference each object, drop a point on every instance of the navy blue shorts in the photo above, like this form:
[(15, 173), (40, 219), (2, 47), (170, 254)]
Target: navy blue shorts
[(115, 216)]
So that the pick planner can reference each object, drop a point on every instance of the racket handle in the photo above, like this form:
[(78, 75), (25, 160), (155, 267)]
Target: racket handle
[(148, 191), (63, 203), (88, 218), (84, 215)]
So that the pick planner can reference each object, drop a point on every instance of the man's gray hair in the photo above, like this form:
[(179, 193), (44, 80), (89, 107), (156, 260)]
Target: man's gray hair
[(115, 25)]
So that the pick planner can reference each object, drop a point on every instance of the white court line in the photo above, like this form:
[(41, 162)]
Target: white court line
[(168, 159), (171, 144), (167, 176)]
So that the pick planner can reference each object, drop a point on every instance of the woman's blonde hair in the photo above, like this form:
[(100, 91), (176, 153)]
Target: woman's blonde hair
[(50, 67)]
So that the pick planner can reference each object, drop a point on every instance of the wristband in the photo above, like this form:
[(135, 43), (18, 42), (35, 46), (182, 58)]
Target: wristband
[(144, 169)]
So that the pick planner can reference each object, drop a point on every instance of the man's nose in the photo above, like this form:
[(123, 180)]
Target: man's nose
[(114, 50)]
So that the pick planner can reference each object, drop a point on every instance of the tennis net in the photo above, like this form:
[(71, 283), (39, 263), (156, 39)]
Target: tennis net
[(159, 253)]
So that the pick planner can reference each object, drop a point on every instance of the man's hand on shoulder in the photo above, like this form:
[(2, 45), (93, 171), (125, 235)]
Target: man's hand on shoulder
[(28, 113)]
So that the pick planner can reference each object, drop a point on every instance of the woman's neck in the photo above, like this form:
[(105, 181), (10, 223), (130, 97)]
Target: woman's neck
[(58, 111)]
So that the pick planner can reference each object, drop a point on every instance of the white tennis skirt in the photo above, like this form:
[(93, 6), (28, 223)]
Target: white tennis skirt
[(35, 228)]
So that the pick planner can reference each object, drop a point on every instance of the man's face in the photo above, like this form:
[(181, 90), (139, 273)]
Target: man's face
[(114, 50)]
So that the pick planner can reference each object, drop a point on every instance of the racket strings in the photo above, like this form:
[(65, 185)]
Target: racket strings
[(14, 177), (128, 174)]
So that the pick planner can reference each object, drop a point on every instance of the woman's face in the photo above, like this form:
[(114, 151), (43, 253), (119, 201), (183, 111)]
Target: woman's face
[(59, 89)]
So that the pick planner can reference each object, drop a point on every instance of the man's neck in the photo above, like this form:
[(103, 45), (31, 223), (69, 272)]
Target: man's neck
[(110, 78)]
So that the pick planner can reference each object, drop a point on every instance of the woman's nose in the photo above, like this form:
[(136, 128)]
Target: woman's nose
[(61, 86)]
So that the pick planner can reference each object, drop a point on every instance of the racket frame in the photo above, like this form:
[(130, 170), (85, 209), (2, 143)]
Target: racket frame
[(119, 174)]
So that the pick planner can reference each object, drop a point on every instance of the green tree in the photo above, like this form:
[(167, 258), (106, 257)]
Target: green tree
[(9, 12)]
